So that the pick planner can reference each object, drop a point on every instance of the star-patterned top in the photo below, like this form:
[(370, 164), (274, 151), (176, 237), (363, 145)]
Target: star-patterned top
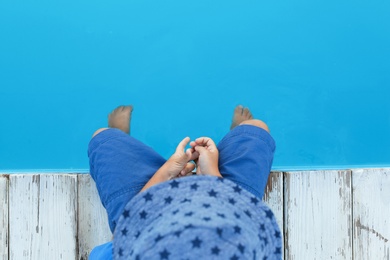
[(197, 217)]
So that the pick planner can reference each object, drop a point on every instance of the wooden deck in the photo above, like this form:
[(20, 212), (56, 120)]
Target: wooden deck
[(324, 214)]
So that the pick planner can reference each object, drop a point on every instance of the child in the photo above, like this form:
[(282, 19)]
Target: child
[(157, 213)]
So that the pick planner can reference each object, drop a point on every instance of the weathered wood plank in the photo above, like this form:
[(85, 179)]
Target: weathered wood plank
[(371, 213), (318, 215), (43, 210), (23, 211), (273, 196), (4, 217), (92, 217)]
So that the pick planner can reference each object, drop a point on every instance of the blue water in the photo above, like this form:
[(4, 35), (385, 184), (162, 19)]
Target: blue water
[(318, 72)]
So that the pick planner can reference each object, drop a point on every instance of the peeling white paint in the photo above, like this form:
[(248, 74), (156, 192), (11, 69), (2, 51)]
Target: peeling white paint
[(92, 217), (60, 216), (273, 196), (42, 216), (4, 217), (371, 211), (317, 214)]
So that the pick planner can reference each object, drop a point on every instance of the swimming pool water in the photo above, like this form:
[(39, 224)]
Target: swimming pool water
[(317, 72)]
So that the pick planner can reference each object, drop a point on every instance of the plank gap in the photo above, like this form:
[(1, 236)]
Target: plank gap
[(4, 216), (285, 235), (352, 213)]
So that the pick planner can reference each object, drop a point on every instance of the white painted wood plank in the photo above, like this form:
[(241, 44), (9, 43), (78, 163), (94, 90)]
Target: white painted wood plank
[(93, 223), (23, 212), (4, 217), (318, 215), (371, 213), (43, 210), (273, 196)]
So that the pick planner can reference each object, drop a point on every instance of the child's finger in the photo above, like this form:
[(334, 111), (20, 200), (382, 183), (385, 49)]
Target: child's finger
[(194, 155), (189, 154), (205, 141), (201, 140), (188, 168), (190, 173), (200, 149), (182, 144)]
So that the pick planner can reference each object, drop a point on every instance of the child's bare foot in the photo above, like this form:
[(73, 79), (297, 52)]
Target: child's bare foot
[(240, 114), (120, 118)]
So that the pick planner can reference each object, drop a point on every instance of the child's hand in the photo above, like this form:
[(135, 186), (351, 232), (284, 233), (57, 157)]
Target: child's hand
[(177, 166), (207, 163), (179, 162)]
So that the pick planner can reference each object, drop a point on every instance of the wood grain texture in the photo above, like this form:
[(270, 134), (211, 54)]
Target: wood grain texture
[(318, 215), (61, 217), (4, 217), (43, 210), (273, 196), (371, 213), (92, 217)]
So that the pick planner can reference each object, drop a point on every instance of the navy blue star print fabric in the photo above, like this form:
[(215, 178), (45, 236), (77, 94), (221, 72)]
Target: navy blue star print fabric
[(190, 217), (197, 217)]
